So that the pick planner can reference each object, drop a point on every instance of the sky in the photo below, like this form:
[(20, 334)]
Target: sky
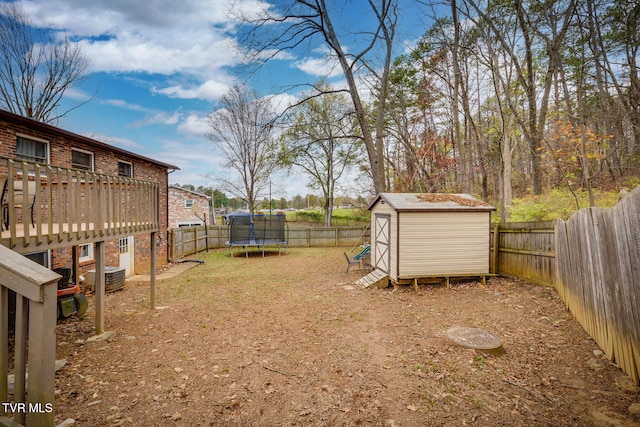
[(158, 68)]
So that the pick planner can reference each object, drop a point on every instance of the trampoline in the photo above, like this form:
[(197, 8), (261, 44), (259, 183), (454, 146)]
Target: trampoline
[(259, 230)]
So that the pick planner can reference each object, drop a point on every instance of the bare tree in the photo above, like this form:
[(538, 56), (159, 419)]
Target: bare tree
[(242, 129), (306, 20), (322, 141), (36, 67), (530, 18)]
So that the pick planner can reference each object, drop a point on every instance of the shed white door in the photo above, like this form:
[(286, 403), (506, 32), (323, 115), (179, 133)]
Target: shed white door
[(382, 232)]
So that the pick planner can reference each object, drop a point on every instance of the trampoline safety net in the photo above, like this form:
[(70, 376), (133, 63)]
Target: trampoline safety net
[(257, 230)]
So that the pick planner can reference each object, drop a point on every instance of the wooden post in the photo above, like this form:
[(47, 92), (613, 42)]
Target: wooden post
[(4, 339), (152, 297), (557, 283), (75, 263), (20, 356), (42, 357), (496, 248), (99, 287)]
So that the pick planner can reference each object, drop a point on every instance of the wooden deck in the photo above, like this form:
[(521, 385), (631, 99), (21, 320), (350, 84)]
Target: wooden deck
[(68, 207), (44, 237)]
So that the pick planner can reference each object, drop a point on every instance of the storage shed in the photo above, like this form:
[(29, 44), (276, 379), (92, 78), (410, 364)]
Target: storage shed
[(421, 236)]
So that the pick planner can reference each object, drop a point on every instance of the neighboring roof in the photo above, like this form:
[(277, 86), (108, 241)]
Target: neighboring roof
[(419, 202), (49, 129), (189, 191)]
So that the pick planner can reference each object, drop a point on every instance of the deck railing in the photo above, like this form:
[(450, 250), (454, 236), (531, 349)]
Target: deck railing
[(29, 398), (51, 206)]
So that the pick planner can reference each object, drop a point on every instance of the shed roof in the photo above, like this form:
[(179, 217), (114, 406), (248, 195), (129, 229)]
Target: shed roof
[(422, 202)]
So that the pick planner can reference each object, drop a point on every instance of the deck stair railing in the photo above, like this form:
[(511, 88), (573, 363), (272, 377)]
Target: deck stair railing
[(27, 341), (52, 206)]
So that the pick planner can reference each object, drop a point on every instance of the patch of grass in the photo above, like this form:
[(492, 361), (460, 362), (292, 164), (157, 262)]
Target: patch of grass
[(557, 203), (481, 361)]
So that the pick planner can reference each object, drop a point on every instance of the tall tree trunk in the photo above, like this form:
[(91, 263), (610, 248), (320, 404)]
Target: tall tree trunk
[(463, 178)]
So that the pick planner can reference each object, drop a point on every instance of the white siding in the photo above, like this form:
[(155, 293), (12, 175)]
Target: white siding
[(443, 243)]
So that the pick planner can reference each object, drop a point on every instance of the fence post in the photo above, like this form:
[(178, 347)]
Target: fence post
[(172, 247), (496, 248), (152, 294)]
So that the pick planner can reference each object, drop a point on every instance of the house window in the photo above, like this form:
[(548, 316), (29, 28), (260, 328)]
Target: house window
[(81, 159), (123, 245), (86, 252), (32, 149), (189, 224), (41, 258), (188, 203), (125, 169)]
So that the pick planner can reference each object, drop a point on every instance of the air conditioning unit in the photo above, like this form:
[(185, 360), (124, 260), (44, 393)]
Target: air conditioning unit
[(113, 279)]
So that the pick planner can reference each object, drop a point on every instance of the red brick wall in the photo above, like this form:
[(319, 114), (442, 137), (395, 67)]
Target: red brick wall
[(105, 161), (177, 210)]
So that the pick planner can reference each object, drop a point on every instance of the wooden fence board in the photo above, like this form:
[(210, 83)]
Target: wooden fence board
[(527, 251), (598, 258), (189, 240), (627, 221)]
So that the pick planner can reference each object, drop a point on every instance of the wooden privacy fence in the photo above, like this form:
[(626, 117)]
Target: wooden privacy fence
[(593, 261), (525, 250), (190, 240), (598, 255)]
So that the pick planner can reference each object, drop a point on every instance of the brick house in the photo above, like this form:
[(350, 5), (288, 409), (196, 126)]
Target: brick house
[(84, 191), (188, 208)]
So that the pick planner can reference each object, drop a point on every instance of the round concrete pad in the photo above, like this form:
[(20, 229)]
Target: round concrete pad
[(474, 338)]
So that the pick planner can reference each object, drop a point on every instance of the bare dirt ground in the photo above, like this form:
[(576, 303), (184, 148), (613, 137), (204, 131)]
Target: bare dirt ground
[(282, 340)]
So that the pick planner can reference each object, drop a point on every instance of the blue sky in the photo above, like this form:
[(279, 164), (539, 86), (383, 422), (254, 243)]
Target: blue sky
[(159, 66)]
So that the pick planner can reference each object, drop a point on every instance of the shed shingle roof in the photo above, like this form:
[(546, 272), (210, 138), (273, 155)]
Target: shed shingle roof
[(432, 202)]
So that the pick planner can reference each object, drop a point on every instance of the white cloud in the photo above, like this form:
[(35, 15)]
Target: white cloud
[(191, 38), (194, 125), (161, 118), (120, 142), (86, 18), (282, 101), (320, 67), (195, 158), (324, 64), (130, 52), (209, 90), (120, 103)]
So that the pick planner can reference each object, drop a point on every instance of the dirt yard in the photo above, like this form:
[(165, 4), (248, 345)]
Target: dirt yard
[(284, 340)]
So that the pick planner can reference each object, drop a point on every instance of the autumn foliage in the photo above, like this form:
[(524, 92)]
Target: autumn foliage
[(569, 149)]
